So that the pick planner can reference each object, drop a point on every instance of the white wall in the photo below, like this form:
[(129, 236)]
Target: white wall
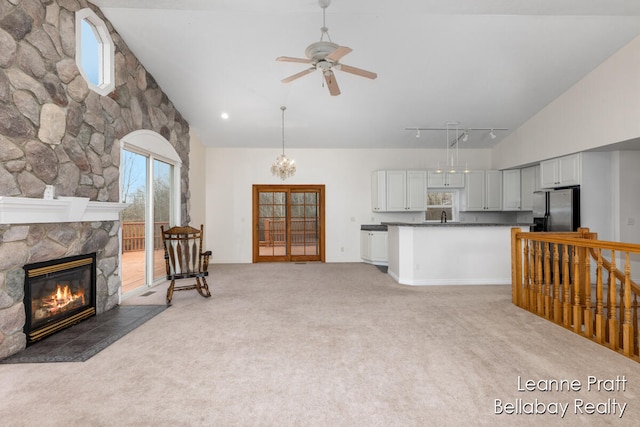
[(601, 109), (231, 173), (629, 185), (598, 209), (629, 205)]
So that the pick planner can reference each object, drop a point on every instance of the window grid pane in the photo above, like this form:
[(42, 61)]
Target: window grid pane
[(439, 202), (272, 223)]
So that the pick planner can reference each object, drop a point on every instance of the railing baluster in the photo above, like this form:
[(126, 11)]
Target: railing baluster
[(547, 280), (577, 307), (557, 302), (600, 319), (566, 285), (634, 314), (613, 320), (539, 280), (588, 315), (627, 327)]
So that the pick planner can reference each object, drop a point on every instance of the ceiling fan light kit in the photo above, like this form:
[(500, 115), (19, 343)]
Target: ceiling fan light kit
[(325, 56)]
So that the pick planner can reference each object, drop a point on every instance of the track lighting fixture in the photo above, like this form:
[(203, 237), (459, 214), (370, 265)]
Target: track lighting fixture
[(464, 137)]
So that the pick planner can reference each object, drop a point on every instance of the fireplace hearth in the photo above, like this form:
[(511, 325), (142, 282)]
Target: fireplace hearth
[(58, 294)]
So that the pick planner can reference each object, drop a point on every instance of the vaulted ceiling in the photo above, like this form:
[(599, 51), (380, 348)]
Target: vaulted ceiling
[(484, 64)]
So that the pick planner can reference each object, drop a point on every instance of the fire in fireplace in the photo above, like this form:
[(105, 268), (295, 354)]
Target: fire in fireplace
[(58, 293)]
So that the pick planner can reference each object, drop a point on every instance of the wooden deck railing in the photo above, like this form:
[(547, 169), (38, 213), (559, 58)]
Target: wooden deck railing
[(573, 279), (133, 236), (303, 231)]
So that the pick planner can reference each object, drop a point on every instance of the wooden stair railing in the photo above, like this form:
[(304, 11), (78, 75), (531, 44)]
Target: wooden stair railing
[(565, 278)]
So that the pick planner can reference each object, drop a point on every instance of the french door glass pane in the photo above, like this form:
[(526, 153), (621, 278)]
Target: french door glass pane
[(272, 223), (162, 213), (304, 223), (134, 191)]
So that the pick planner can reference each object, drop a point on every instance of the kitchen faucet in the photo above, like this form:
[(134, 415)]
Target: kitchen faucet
[(443, 216)]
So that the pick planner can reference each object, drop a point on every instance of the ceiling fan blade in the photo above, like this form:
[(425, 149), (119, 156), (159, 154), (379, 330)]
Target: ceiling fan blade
[(298, 75), (332, 84), (357, 71), (337, 54), (290, 59)]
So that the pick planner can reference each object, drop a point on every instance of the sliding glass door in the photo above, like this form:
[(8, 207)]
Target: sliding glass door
[(162, 208), (147, 186)]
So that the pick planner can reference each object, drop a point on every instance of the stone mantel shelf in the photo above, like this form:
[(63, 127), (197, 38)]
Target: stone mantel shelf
[(26, 210)]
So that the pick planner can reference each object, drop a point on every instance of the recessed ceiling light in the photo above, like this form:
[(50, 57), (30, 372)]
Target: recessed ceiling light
[(225, 116)]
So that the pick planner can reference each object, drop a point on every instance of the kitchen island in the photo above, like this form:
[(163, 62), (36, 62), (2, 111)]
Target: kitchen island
[(450, 253)]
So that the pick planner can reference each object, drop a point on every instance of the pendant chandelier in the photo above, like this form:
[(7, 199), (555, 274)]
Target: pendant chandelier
[(452, 163), (283, 166)]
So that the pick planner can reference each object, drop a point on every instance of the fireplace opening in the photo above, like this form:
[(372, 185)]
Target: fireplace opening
[(58, 294)]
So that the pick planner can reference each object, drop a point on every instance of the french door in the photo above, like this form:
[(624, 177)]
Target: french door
[(288, 223)]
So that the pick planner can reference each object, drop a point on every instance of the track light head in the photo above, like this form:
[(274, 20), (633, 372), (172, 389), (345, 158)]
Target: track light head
[(465, 136), (492, 135), (417, 133)]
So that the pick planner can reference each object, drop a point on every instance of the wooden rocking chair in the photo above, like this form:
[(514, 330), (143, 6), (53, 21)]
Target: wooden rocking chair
[(185, 259)]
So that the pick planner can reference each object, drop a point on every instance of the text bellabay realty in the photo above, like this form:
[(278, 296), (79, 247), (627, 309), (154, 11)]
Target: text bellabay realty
[(609, 406)]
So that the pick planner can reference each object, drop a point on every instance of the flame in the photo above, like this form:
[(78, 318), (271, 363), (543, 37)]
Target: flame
[(63, 296)]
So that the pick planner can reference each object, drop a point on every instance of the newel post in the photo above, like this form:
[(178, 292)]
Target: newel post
[(516, 267)]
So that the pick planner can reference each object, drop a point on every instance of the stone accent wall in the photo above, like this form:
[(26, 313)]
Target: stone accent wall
[(54, 130)]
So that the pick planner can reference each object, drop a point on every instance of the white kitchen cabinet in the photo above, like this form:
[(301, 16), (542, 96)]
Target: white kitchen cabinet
[(538, 187), (527, 187), (483, 190), (416, 190), (379, 191), (560, 172), (373, 247), (445, 179), (511, 190), (406, 191)]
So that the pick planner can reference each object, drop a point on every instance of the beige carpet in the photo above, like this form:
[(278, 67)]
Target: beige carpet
[(322, 345)]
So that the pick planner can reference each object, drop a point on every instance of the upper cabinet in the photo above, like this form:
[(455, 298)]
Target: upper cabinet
[(528, 186), (379, 191), (404, 191), (560, 172), (445, 180), (511, 190), (484, 190)]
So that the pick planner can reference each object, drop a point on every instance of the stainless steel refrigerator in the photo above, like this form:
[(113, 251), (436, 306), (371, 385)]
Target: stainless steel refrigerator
[(556, 210)]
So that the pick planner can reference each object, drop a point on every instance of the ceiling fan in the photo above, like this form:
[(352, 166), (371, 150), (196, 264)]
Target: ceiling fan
[(325, 56)]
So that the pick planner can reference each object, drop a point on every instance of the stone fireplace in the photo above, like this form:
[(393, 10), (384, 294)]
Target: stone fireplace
[(57, 294), (36, 235), (57, 132)]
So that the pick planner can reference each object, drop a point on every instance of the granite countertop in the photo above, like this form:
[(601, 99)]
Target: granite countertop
[(383, 226), (458, 224), (373, 227)]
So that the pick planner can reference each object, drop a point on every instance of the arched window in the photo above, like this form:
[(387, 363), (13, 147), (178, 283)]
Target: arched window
[(94, 52)]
